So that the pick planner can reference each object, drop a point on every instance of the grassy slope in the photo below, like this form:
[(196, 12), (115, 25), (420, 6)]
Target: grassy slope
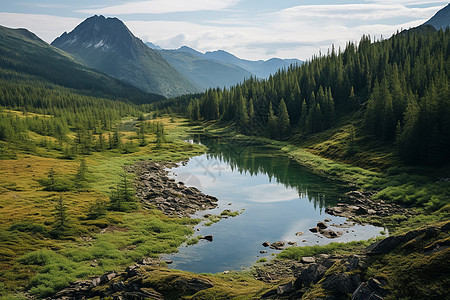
[(375, 167), (30, 258)]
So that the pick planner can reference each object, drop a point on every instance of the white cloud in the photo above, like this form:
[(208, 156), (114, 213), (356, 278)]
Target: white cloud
[(46, 27), (353, 12), (162, 7), (299, 31)]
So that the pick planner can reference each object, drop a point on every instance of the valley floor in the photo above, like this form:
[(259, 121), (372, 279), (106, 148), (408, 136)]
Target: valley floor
[(34, 262)]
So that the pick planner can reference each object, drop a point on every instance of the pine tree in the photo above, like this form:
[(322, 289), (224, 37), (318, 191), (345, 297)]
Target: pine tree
[(271, 122), (61, 222), (282, 120)]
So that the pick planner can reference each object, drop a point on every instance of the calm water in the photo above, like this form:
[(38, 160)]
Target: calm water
[(278, 198)]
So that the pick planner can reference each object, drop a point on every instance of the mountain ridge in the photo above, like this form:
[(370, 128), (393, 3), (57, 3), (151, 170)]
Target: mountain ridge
[(441, 20), (259, 68), (32, 59), (108, 45)]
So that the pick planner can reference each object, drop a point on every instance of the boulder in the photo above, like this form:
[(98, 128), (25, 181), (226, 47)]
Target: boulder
[(322, 225), (314, 229), (266, 244), (308, 260), (392, 242), (285, 289), (341, 283), (278, 245), (331, 234), (209, 238), (193, 285), (299, 233), (352, 263), (107, 277), (371, 290), (312, 274)]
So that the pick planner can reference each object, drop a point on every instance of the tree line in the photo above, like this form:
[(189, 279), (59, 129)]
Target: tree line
[(400, 85)]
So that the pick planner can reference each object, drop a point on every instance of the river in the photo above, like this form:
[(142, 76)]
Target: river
[(277, 198)]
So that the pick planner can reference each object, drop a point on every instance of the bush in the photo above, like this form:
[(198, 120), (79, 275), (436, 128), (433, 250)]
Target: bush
[(29, 227)]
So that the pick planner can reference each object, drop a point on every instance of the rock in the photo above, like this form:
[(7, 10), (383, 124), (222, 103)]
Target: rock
[(314, 229), (299, 233), (95, 281), (312, 274), (193, 285), (168, 262), (209, 238), (352, 263), (266, 244), (118, 286), (278, 245), (392, 242), (356, 194), (327, 220), (322, 225), (361, 211), (107, 277), (292, 243), (341, 283), (226, 272), (308, 260), (377, 286), (331, 234), (303, 241), (262, 251), (362, 292), (94, 263), (285, 289), (371, 290)]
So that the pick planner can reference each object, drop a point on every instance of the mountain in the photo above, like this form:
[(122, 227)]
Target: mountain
[(108, 45), (24, 57), (260, 68), (441, 19), (205, 73), (153, 46)]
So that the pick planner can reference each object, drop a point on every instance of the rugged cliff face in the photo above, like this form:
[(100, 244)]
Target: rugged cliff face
[(108, 45)]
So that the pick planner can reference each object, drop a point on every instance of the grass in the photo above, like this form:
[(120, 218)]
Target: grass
[(30, 258), (297, 253)]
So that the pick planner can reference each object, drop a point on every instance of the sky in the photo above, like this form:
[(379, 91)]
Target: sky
[(250, 29)]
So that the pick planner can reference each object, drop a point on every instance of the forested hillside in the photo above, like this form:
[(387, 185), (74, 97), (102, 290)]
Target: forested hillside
[(398, 88), (57, 96)]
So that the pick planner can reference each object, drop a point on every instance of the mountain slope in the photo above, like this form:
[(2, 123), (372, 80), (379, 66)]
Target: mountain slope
[(441, 19), (108, 45), (205, 73), (25, 57), (260, 68)]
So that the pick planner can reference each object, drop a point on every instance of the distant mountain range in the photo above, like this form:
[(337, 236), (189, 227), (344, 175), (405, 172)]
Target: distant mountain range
[(28, 59), (108, 45), (441, 20), (219, 68)]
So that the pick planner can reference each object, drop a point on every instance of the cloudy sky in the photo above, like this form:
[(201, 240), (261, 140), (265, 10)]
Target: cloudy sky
[(252, 29)]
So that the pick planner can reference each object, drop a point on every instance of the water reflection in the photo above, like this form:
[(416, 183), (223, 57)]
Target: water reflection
[(279, 198)]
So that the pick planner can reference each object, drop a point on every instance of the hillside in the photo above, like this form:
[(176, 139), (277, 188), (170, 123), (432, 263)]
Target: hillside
[(25, 57), (441, 20), (205, 73), (108, 45)]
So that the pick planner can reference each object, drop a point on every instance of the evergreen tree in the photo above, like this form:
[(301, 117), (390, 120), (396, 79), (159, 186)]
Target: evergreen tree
[(282, 120)]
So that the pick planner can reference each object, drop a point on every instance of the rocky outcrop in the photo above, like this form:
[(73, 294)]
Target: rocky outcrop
[(132, 284), (154, 187), (392, 242), (362, 205)]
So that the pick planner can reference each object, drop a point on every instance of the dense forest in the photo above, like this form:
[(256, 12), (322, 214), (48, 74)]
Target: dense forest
[(400, 85)]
